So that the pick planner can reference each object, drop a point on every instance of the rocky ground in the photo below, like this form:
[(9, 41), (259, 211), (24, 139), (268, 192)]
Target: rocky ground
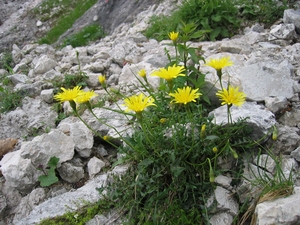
[(266, 67)]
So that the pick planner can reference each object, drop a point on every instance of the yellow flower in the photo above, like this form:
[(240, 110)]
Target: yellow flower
[(173, 35), (138, 103), (185, 95), (102, 79), (85, 96), (169, 73), (219, 64), (68, 94), (231, 96), (142, 73)]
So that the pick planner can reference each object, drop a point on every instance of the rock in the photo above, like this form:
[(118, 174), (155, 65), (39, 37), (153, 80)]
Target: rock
[(16, 54), (221, 218), (260, 119), (224, 201), (34, 116), (3, 205), (18, 78), (7, 145), (94, 166), (19, 173), (28, 203), (288, 140), (276, 103), (283, 211), (291, 16), (282, 31), (296, 154), (81, 135), (12, 196), (43, 64), (291, 118), (70, 201), (43, 147), (254, 78), (47, 95), (70, 173)]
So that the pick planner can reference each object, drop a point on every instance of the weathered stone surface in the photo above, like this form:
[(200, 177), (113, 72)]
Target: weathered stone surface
[(276, 103), (70, 172), (81, 135), (19, 173), (34, 116), (283, 211), (277, 75), (282, 31), (70, 201), (44, 64), (94, 166), (42, 148), (260, 119), (288, 140), (292, 16), (28, 203)]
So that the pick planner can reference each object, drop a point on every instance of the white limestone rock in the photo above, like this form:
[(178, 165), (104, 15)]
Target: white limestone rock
[(94, 166), (42, 148), (19, 173), (282, 211)]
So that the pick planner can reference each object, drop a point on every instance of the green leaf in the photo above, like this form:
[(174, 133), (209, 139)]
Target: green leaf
[(212, 137), (199, 34), (216, 18), (53, 161), (214, 33), (47, 180), (146, 162), (177, 170)]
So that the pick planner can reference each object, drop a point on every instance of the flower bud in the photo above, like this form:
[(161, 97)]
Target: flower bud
[(275, 133), (163, 120), (215, 150), (203, 131)]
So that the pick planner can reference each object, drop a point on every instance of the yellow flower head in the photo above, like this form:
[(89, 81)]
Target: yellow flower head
[(219, 64), (142, 73), (231, 96), (85, 96), (68, 94), (102, 79), (185, 95), (173, 35), (138, 103), (169, 73)]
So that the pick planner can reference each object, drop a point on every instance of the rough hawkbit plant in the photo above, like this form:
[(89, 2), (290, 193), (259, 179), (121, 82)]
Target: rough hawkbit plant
[(174, 146)]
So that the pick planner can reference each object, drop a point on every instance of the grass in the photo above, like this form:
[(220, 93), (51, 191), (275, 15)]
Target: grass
[(82, 38), (69, 12)]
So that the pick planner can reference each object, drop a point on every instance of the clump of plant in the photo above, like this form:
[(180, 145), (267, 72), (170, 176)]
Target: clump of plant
[(266, 11), (222, 18), (9, 99), (175, 146), (87, 34), (269, 185), (218, 16), (49, 177), (6, 61)]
